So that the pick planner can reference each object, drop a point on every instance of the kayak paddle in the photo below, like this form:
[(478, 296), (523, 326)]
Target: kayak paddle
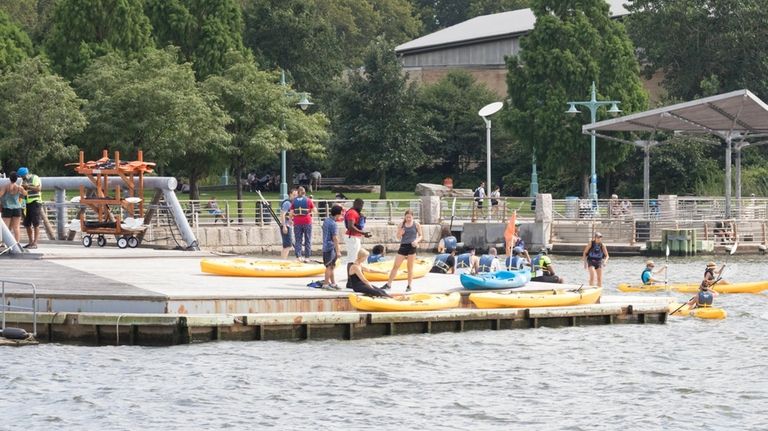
[(666, 270), (720, 275)]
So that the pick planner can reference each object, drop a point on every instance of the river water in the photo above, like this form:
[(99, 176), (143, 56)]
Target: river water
[(688, 375)]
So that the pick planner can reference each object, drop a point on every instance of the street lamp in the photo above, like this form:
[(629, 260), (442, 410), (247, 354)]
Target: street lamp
[(303, 103), (487, 111), (593, 104)]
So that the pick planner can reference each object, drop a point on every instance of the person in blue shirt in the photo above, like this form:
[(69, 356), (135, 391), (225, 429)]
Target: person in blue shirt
[(377, 254), (648, 273), (331, 248)]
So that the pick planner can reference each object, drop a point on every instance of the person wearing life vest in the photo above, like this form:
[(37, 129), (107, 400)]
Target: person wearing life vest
[(648, 273), (489, 262), (447, 241), (354, 220), (34, 200), (595, 256), (445, 263), (377, 254), (516, 261), (467, 262), (543, 263), (302, 208), (286, 232)]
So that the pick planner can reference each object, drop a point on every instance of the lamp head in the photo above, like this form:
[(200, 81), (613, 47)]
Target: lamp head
[(490, 109), (614, 109), (304, 102), (572, 110)]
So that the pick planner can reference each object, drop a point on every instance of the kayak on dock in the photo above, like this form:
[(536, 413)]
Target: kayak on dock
[(496, 280), (241, 267), (379, 271), (721, 287), (548, 298), (413, 302), (700, 312)]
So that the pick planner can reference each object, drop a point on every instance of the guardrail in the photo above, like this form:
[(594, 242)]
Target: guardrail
[(480, 209), (8, 307)]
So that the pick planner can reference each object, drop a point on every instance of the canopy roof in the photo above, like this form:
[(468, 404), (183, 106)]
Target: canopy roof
[(737, 112)]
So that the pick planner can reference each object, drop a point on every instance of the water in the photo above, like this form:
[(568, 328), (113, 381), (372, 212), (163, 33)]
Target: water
[(688, 375)]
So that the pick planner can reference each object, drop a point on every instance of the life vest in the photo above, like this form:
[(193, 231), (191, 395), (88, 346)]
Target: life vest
[(646, 278), (485, 263), (705, 298), (596, 252), (535, 262), (375, 258), (441, 263), (34, 180), (462, 260), (513, 262), (301, 206), (450, 243)]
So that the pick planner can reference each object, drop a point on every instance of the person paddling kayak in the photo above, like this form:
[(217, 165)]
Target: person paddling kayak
[(648, 273)]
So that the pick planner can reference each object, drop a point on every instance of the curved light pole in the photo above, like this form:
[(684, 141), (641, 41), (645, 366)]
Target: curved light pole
[(303, 103), (592, 105), (487, 111)]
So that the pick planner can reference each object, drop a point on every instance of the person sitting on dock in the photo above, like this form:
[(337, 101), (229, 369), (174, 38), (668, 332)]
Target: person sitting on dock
[(648, 273), (543, 263), (516, 261), (445, 263), (467, 262), (357, 281), (447, 241), (377, 254), (214, 210), (489, 262)]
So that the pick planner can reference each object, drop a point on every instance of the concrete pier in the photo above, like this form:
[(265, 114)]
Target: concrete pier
[(160, 297)]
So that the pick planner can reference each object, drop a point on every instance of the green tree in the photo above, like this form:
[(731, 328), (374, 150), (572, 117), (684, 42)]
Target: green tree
[(703, 47), (450, 107), (377, 125), (153, 104), (206, 31), (86, 29), (15, 45), (438, 14), (259, 107), (39, 112), (572, 44)]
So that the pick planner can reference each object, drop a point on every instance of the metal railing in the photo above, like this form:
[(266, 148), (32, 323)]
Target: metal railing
[(478, 209), (6, 306)]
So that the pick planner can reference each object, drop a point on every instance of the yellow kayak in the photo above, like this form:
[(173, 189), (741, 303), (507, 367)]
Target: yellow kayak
[(548, 298), (240, 267), (700, 312), (414, 302), (720, 287), (379, 271)]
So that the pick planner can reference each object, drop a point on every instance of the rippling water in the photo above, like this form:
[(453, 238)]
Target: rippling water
[(688, 374)]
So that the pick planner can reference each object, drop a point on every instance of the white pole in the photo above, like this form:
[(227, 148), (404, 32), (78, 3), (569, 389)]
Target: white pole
[(488, 167)]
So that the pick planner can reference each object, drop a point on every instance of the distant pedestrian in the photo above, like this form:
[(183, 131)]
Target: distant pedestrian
[(34, 200), (409, 233), (354, 220), (495, 195), (286, 233), (314, 181), (331, 247), (479, 195), (301, 210), (595, 256)]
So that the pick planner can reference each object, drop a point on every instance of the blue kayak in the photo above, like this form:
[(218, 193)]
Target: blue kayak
[(496, 280)]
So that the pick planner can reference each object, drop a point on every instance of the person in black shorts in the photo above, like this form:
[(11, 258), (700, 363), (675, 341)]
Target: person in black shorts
[(595, 256), (410, 235), (331, 248)]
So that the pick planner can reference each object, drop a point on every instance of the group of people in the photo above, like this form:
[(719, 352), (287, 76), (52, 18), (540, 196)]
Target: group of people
[(480, 197), (296, 214), (21, 201), (706, 294)]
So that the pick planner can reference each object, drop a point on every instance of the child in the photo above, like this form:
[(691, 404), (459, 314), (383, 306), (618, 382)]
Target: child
[(331, 248), (377, 254), (706, 294), (648, 273)]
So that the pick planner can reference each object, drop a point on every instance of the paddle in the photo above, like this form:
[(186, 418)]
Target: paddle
[(453, 213), (666, 270), (271, 211), (720, 275)]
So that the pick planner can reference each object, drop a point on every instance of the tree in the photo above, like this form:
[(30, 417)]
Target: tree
[(259, 107), (15, 45), (450, 107), (153, 104), (438, 14), (86, 29), (39, 112), (703, 47), (377, 126), (206, 31), (572, 44)]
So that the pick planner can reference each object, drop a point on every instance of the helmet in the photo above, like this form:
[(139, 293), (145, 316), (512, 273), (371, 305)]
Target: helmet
[(23, 172), (517, 250)]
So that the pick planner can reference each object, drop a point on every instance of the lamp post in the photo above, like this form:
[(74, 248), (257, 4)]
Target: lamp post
[(303, 103), (485, 112), (534, 176), (593, 104)]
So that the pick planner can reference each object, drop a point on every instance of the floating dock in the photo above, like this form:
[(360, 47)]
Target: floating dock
[(109, 296)]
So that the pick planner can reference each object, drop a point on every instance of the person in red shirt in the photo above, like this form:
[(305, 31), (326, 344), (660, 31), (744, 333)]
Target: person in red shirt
[(354, 221), (302, 208)]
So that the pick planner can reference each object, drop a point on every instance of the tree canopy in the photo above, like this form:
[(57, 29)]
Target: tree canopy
[(438, 14), (14, 43)]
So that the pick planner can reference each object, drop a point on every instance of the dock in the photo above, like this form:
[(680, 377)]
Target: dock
[(110, 296)]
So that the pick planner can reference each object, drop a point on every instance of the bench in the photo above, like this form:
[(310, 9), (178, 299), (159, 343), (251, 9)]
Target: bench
[(328, 182)]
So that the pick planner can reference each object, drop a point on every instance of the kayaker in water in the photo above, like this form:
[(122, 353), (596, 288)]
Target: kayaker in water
[(595, 257), (704, 298), (544, 263), (711, 275), (357, 280), (648, 273)]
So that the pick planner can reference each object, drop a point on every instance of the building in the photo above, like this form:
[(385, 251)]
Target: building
[(479, 46)]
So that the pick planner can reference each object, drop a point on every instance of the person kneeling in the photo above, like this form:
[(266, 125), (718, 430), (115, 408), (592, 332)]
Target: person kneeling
[(357, 281)]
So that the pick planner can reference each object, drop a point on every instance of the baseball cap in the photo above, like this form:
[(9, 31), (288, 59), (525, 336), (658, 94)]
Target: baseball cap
[(517, 250)]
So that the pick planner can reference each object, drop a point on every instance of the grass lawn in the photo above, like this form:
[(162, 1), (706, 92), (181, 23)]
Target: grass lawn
[(231, 195)]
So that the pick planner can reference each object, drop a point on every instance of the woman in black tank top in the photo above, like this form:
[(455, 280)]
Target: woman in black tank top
[(357, 281)]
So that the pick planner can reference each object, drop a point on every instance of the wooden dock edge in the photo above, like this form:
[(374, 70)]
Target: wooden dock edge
[(173, 329)]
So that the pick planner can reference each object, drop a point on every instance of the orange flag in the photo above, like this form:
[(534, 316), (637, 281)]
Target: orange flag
[(509, 233)]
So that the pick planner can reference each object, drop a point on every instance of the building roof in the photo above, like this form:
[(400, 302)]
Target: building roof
[(494, 26), (739, 111)]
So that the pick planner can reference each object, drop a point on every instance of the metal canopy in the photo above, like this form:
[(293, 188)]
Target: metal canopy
[(737, 115)]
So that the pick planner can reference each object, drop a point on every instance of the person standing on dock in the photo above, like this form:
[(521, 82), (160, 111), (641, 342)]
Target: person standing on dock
[(34, 200), (331, 248), (301, 210), (595, 256), (10, 201), (286, 233), (354, 220), (409, 233)]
